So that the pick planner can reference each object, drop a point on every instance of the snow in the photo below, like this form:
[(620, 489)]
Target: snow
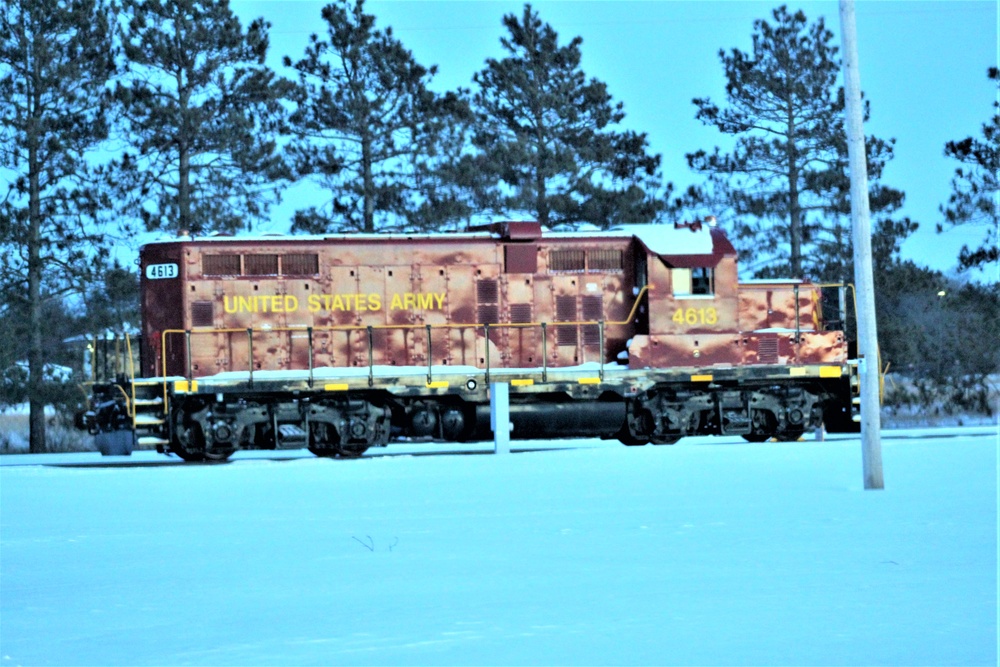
[(712, 551), (659, 238)]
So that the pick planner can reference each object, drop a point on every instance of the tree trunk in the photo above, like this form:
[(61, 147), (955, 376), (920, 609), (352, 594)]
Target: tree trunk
[(794, 210), (184, 221), (369, 184), (36, 356), (542, 203)]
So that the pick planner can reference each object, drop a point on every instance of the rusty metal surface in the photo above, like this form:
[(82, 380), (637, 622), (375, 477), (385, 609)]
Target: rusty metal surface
[(358, 301)]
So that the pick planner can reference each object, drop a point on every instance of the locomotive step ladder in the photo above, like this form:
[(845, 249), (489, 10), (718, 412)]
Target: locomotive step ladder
[(149, 421)]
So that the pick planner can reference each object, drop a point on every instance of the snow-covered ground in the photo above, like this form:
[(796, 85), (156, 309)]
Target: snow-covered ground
[(710, 552)]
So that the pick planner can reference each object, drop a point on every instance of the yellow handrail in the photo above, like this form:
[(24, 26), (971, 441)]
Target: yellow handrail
[(131, 376), (356, 327)]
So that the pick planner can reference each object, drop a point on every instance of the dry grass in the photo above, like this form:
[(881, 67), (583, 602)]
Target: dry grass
[(59, 437)]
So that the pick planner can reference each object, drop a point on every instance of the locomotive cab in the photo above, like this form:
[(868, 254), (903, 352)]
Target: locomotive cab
[(693, 297)]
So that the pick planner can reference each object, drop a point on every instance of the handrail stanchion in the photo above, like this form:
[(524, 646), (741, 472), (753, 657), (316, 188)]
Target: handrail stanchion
[(309, 334), (131, 375), (187, 342), (600, 331), (545, 352), (798, 326), (486, 330), (430, 356), (250, 353), (371, 357)]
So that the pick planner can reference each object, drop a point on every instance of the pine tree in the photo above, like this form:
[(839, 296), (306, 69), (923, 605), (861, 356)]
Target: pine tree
[(784, 187), (203, 114), (975, 187), (367, 127), (546, 138), (56, 60)]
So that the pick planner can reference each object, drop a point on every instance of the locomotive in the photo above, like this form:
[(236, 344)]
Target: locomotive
[(339, 343)]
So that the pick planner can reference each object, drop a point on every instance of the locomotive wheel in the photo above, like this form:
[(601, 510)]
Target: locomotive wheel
[(626, 438), (764, 425), (665, 439), (187, 438), (323, 440), (351, 451), (219, 454), (791, 435)]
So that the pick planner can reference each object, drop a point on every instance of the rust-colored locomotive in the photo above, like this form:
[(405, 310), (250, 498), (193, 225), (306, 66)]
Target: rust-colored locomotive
[(340, 343)]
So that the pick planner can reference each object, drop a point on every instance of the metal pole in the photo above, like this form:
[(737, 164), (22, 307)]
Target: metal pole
[(867, 332)]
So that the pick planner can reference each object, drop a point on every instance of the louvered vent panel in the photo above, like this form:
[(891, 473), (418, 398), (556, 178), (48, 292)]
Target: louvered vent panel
[(569, 261), (520, 313), (566, 312), (593, 311), (767, 350), (489, 314), (202, 314), (487, 291), (260, 265), (220, 265), (608, 260), (299, 265)]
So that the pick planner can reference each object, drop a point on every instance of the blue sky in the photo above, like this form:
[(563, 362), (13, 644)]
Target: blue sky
[(923, 67)]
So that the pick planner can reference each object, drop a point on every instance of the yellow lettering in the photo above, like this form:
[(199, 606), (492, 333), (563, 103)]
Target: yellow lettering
[(440, 300), (314, 304), (276, 305), (246, 304), (426, 301), (397, 303), (338, 303), (360, 302), (226, 306), (409, 300), (374, 302)]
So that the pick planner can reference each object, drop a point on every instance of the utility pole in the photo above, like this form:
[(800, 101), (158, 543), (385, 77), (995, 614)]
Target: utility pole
[(868, 366)]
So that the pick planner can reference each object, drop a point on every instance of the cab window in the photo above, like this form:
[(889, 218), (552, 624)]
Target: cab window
[(693, 282)]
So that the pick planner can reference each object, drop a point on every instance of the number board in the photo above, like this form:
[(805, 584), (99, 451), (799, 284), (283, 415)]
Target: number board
[(161, 271)]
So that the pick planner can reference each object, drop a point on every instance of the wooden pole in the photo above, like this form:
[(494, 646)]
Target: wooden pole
[(861, 222)]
